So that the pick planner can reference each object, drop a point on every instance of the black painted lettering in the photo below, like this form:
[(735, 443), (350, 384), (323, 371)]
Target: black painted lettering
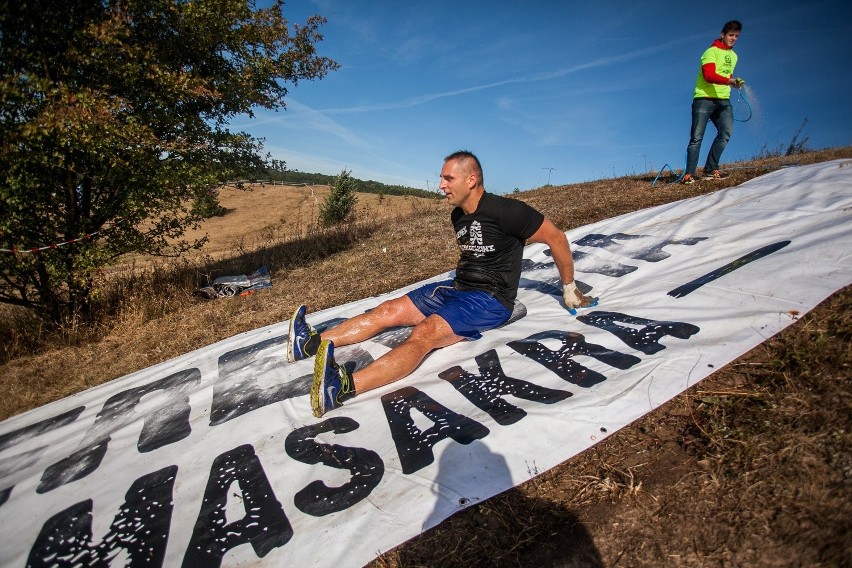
[(561, 361), (588, 262), (365, 466), (737, 264), (640, 247), (265, 526), (487, 389), (645, 334), (167, 424), (393, 337), (551, 286), (237, 391), (29, 458), (18, 463), (415, 446), (141, 528), (11, 439)]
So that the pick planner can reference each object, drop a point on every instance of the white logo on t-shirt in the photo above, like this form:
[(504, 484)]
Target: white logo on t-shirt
[(475, 233), (474, 244)]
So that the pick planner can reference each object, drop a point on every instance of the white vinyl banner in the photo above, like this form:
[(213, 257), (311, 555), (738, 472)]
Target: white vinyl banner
[(214, 458)]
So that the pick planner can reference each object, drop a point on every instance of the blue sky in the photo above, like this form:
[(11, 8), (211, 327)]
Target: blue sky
[(551, 91)]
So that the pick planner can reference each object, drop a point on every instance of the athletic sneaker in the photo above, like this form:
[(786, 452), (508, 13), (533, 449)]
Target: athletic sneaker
[(331, 381), (715, 175), (302, 339), (687, 179)]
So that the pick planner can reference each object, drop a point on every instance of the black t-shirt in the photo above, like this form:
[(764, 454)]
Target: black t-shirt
[(491, 241)]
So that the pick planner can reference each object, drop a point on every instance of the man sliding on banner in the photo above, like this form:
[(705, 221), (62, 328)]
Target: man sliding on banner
[(491, 232)]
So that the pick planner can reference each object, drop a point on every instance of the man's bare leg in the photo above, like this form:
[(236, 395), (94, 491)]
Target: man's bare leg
[(430, 334), (392, 313)]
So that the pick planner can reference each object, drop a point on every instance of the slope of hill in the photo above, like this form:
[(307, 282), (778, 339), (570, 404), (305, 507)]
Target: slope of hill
[(270, 212), (750, 467)]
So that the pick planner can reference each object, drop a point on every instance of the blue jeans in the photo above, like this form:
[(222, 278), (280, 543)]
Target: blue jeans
[(721, 113)]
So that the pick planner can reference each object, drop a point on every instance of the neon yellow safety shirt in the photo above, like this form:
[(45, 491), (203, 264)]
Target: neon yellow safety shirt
[(725, 61)]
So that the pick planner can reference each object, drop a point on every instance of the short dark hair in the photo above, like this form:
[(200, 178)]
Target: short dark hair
[(732, 26), (466, 157)]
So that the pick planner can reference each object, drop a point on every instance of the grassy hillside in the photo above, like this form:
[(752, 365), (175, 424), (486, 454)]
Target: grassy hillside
[(369, 186), (749, 468)]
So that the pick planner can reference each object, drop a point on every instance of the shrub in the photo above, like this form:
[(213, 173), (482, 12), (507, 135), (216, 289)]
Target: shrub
[(339, 204), (798, 144), (207, 204)]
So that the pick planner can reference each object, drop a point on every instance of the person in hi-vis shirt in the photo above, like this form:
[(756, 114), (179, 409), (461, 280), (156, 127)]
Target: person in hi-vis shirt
[(712, 102)]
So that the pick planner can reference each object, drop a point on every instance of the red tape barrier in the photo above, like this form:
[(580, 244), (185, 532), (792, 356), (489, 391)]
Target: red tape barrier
[(50, 247)]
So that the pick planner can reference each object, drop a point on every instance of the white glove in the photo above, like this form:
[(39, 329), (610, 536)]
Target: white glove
[(573, 298)]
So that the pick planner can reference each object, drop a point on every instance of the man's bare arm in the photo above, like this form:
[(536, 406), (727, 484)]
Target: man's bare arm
[(560, 250)]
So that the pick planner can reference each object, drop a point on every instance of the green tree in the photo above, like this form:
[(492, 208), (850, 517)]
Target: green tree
[(207, 204), (114, 117), (340, 202)]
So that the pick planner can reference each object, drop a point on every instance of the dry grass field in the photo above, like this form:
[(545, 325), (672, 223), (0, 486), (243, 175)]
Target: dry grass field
[(751, 467), (272, 212)]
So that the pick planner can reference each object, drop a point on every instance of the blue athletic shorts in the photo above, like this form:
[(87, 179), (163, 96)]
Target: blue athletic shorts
[(467, 311)]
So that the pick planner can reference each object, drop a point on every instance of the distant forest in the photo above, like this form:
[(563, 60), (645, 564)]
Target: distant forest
[(296, 177)]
